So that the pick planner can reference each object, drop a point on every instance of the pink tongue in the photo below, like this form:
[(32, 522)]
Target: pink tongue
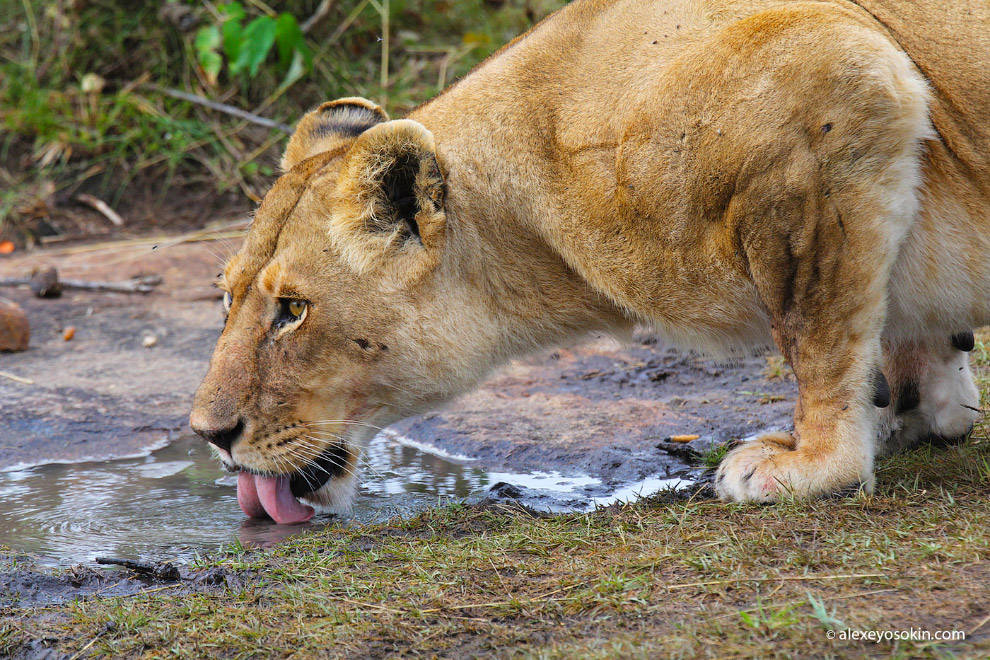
[(259, 495)]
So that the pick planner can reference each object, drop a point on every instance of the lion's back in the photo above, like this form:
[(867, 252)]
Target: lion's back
[(949, 42)]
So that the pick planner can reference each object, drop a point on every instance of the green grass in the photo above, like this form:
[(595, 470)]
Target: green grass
[(712, 456)]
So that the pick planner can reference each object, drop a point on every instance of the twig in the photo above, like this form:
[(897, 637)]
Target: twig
[(102, 207), (773, 579), (317, 16), (497, 603), (507, 592), (85, 648), (263, 7), (145, 284), (800, 601), (16, 379), (500, 603), (231, 230), (161, 570), (220, 107), (151, 591), (979, 625), (346, 23), (375, 605)]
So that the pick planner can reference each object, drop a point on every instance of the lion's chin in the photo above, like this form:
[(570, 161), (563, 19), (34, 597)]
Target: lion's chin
[(335, 496)]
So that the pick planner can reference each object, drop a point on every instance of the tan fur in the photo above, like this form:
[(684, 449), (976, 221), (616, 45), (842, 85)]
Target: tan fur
[(730, 172)]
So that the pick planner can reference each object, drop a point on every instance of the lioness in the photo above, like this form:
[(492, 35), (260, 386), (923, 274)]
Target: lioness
[(814, 174)]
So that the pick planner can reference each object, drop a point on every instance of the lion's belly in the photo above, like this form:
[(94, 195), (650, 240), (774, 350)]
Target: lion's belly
[(941, 279)]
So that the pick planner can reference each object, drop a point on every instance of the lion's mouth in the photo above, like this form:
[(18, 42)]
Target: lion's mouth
[(277, 496)]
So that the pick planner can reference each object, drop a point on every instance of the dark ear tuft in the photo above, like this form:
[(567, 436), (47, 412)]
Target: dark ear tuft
[(398, 185), (330, 126), (391, 184)]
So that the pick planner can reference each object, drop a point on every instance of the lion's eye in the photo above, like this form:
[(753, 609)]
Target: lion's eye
[(296, 308), (291, 310)]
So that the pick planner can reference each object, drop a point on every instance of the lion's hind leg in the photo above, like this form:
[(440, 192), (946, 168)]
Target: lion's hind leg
[(934, 397)]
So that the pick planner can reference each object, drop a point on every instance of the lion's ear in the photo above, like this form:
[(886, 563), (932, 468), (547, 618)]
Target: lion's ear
[(329, 126), (391, 183)]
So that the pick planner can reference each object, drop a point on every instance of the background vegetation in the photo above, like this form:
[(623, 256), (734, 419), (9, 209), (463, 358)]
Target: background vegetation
[(91, 94)]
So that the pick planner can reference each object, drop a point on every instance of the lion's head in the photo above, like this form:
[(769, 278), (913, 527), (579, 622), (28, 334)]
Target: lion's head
[(341, 309), (375, 282)]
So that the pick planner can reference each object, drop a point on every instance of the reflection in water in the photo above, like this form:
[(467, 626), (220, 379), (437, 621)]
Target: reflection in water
[(176, 504)]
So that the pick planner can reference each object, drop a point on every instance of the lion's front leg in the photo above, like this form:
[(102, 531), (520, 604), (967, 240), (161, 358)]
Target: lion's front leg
[(831, 449), (778, 465), (825, 287), (828, 314), (828, 308)]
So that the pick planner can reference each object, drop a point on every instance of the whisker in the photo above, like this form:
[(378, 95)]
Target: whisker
[(358, 453), (312, 457), (321, 422)]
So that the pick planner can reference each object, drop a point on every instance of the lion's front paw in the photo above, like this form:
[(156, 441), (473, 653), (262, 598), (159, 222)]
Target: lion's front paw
[(748, 473), (772, 467)]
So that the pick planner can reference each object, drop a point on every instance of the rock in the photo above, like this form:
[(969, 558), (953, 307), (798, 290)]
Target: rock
[(504, 490), (45, 284), (14, 328)]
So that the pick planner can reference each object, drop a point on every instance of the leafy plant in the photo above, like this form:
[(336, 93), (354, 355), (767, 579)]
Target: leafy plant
[(247, 46), (828, 619), (712, 456)]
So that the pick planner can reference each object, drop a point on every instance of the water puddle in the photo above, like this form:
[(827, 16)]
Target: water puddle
[(176, 504)]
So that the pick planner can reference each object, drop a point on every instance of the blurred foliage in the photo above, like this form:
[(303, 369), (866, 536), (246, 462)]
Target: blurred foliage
[(247, 46), (84, 84)]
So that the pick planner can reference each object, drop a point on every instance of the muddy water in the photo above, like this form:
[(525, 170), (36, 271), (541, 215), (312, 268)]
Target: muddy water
[(176, 504)]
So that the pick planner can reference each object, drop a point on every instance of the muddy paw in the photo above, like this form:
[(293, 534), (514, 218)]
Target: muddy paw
[(771, 468)]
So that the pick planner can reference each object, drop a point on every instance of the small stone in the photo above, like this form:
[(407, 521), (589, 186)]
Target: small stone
[(150, 341), (14, 329), (45, 284)]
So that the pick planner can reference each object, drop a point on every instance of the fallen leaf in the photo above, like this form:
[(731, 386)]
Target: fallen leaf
[(69, 333), (6, 247), (683, 438)]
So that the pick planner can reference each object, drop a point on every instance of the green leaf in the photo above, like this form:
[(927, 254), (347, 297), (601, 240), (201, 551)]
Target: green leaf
[(207, 39), (259, 37), (206, 43), (210, 62), (233, 36), (297, 70), (288, 38), (232, 11)]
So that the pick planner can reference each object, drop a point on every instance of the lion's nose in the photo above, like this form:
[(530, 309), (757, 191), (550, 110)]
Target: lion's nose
[(223, 436)]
